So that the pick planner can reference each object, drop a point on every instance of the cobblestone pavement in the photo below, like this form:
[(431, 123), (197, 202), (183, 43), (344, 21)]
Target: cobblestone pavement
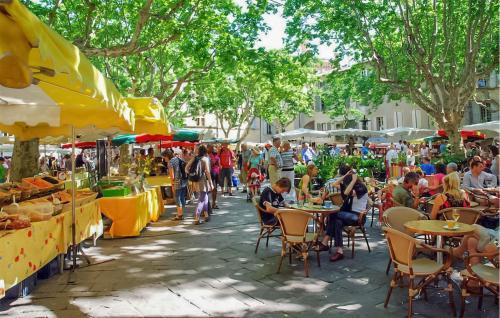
[(182, 270)]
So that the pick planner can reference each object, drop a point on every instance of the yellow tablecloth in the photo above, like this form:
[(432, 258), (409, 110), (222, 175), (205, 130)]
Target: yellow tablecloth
[(132, 213), (23, 252)]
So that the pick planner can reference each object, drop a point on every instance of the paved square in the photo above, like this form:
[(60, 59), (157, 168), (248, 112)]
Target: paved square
[(182, 270)]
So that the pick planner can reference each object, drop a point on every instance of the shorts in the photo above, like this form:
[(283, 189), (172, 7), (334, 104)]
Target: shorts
[(215, 178), (226, 173), (180, 196)]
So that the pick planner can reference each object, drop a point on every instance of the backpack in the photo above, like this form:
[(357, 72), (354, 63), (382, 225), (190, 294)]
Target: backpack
[(195, 172), (182, 168)]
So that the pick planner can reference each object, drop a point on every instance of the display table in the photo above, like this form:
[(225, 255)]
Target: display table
[(23, 252), (132, 213)]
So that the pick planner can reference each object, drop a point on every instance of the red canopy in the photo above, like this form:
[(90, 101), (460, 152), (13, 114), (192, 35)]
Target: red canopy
[(81, 145), (170, 144), (152, 138), (465, 134)]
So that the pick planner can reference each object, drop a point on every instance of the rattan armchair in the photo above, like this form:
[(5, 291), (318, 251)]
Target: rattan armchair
[(396, 217), (486, 277), (266, 230), (294, 225), (420, 272)]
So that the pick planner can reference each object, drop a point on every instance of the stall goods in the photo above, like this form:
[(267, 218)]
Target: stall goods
[(13, 221)]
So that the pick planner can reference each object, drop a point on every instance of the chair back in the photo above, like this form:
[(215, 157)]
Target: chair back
[(293, 222), (401, 246), (337, 199), (467, 215), (396, 217), (255, 201)]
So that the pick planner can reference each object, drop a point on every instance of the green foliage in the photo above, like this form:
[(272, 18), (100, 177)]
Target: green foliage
[(430, 52), (156, 48), (300, 169)]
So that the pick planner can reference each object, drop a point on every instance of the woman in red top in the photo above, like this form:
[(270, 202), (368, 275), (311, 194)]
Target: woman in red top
[(452, 195)]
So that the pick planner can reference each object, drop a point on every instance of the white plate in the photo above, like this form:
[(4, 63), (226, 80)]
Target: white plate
[(456, 227)]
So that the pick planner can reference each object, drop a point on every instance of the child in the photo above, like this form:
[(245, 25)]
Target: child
[(385, 196), (253, 181)]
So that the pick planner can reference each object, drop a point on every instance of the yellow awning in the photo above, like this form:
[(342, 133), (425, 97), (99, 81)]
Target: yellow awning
[(32, 53), (150, 116)]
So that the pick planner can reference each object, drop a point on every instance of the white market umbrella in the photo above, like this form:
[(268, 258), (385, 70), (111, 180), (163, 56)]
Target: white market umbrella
[(491, 126), (414, 133), (355, 132), (302, 133)]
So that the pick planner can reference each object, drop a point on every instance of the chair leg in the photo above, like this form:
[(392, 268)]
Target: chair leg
[(352, 242), (388, 267), (462, 305), (425, 294), (410, 298), (480, 300), (305, 255), (267, 239), (391, 286), (317, 258), (258, 241), (450, 295), (366, 239), (290, 255), (373, 213), (283, 254)]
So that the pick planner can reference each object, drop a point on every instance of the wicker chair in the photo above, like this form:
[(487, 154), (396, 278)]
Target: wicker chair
[(396, 217), (467, 215), (486, 276), (294, 224), (402, 249), (265, 229), (351, 231)]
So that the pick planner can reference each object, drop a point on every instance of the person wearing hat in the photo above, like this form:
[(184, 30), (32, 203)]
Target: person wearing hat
[(275, 161)]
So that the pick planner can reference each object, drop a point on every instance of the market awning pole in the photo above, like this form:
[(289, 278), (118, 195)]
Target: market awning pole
[(73, 199)]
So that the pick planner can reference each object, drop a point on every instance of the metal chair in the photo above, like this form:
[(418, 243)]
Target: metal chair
[(351, 230), (396, 217), (402, 249), (294, 224), (266, 230), (486, 276)]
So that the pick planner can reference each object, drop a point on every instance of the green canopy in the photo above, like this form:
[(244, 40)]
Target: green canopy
[(123, 139), (186, 135)]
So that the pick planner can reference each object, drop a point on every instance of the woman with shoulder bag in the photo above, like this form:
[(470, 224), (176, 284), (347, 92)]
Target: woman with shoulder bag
[(198, 171)]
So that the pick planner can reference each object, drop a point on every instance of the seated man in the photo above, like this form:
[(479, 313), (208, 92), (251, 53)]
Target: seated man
[(271, 200), (407, 194), (355, 195), (427, 167), (478, 181)]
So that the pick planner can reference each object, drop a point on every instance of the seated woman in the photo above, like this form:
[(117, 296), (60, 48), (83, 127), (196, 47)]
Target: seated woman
[(452, 196), (271, 200), (306, 183), (355, 195)]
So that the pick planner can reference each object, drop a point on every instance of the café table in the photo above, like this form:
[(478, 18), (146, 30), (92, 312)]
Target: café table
[(317, 210), (439, 229)]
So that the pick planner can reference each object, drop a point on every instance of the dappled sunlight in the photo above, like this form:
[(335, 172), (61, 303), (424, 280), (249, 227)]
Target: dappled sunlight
[(350, 307)]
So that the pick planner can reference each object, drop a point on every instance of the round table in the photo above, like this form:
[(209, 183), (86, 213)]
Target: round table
[(437, 228)]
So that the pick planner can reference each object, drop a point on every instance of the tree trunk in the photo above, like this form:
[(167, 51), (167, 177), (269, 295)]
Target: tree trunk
[(454, 138), (24, 159)]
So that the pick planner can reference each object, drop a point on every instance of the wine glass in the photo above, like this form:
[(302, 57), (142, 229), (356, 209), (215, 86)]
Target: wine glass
[(455, 215)]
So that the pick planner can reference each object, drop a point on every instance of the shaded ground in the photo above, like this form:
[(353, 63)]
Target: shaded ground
[(181, 270)]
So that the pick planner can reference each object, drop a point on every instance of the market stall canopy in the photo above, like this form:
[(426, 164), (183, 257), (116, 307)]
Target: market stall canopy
[(465, 134), (150, 116), (377, 140), (491, 128), (172, 144), (355, 132), (48, 85), (302, 133), (140, 139), (406, 132), (219, 141), (80, 145), (188, 135)]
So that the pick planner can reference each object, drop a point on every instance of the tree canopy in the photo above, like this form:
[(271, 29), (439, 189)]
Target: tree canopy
[(430, 51), (152, 47)]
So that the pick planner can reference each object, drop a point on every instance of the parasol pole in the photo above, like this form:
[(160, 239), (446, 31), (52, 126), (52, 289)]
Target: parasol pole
[(73, 200)]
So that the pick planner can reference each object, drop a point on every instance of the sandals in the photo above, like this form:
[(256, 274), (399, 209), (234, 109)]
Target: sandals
[(177, 218), (215, 207), (322, 247)]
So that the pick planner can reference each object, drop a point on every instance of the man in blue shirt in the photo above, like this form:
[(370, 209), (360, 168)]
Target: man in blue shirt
[(308, 154), (427, 167), (442, 148), (365, 150)]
